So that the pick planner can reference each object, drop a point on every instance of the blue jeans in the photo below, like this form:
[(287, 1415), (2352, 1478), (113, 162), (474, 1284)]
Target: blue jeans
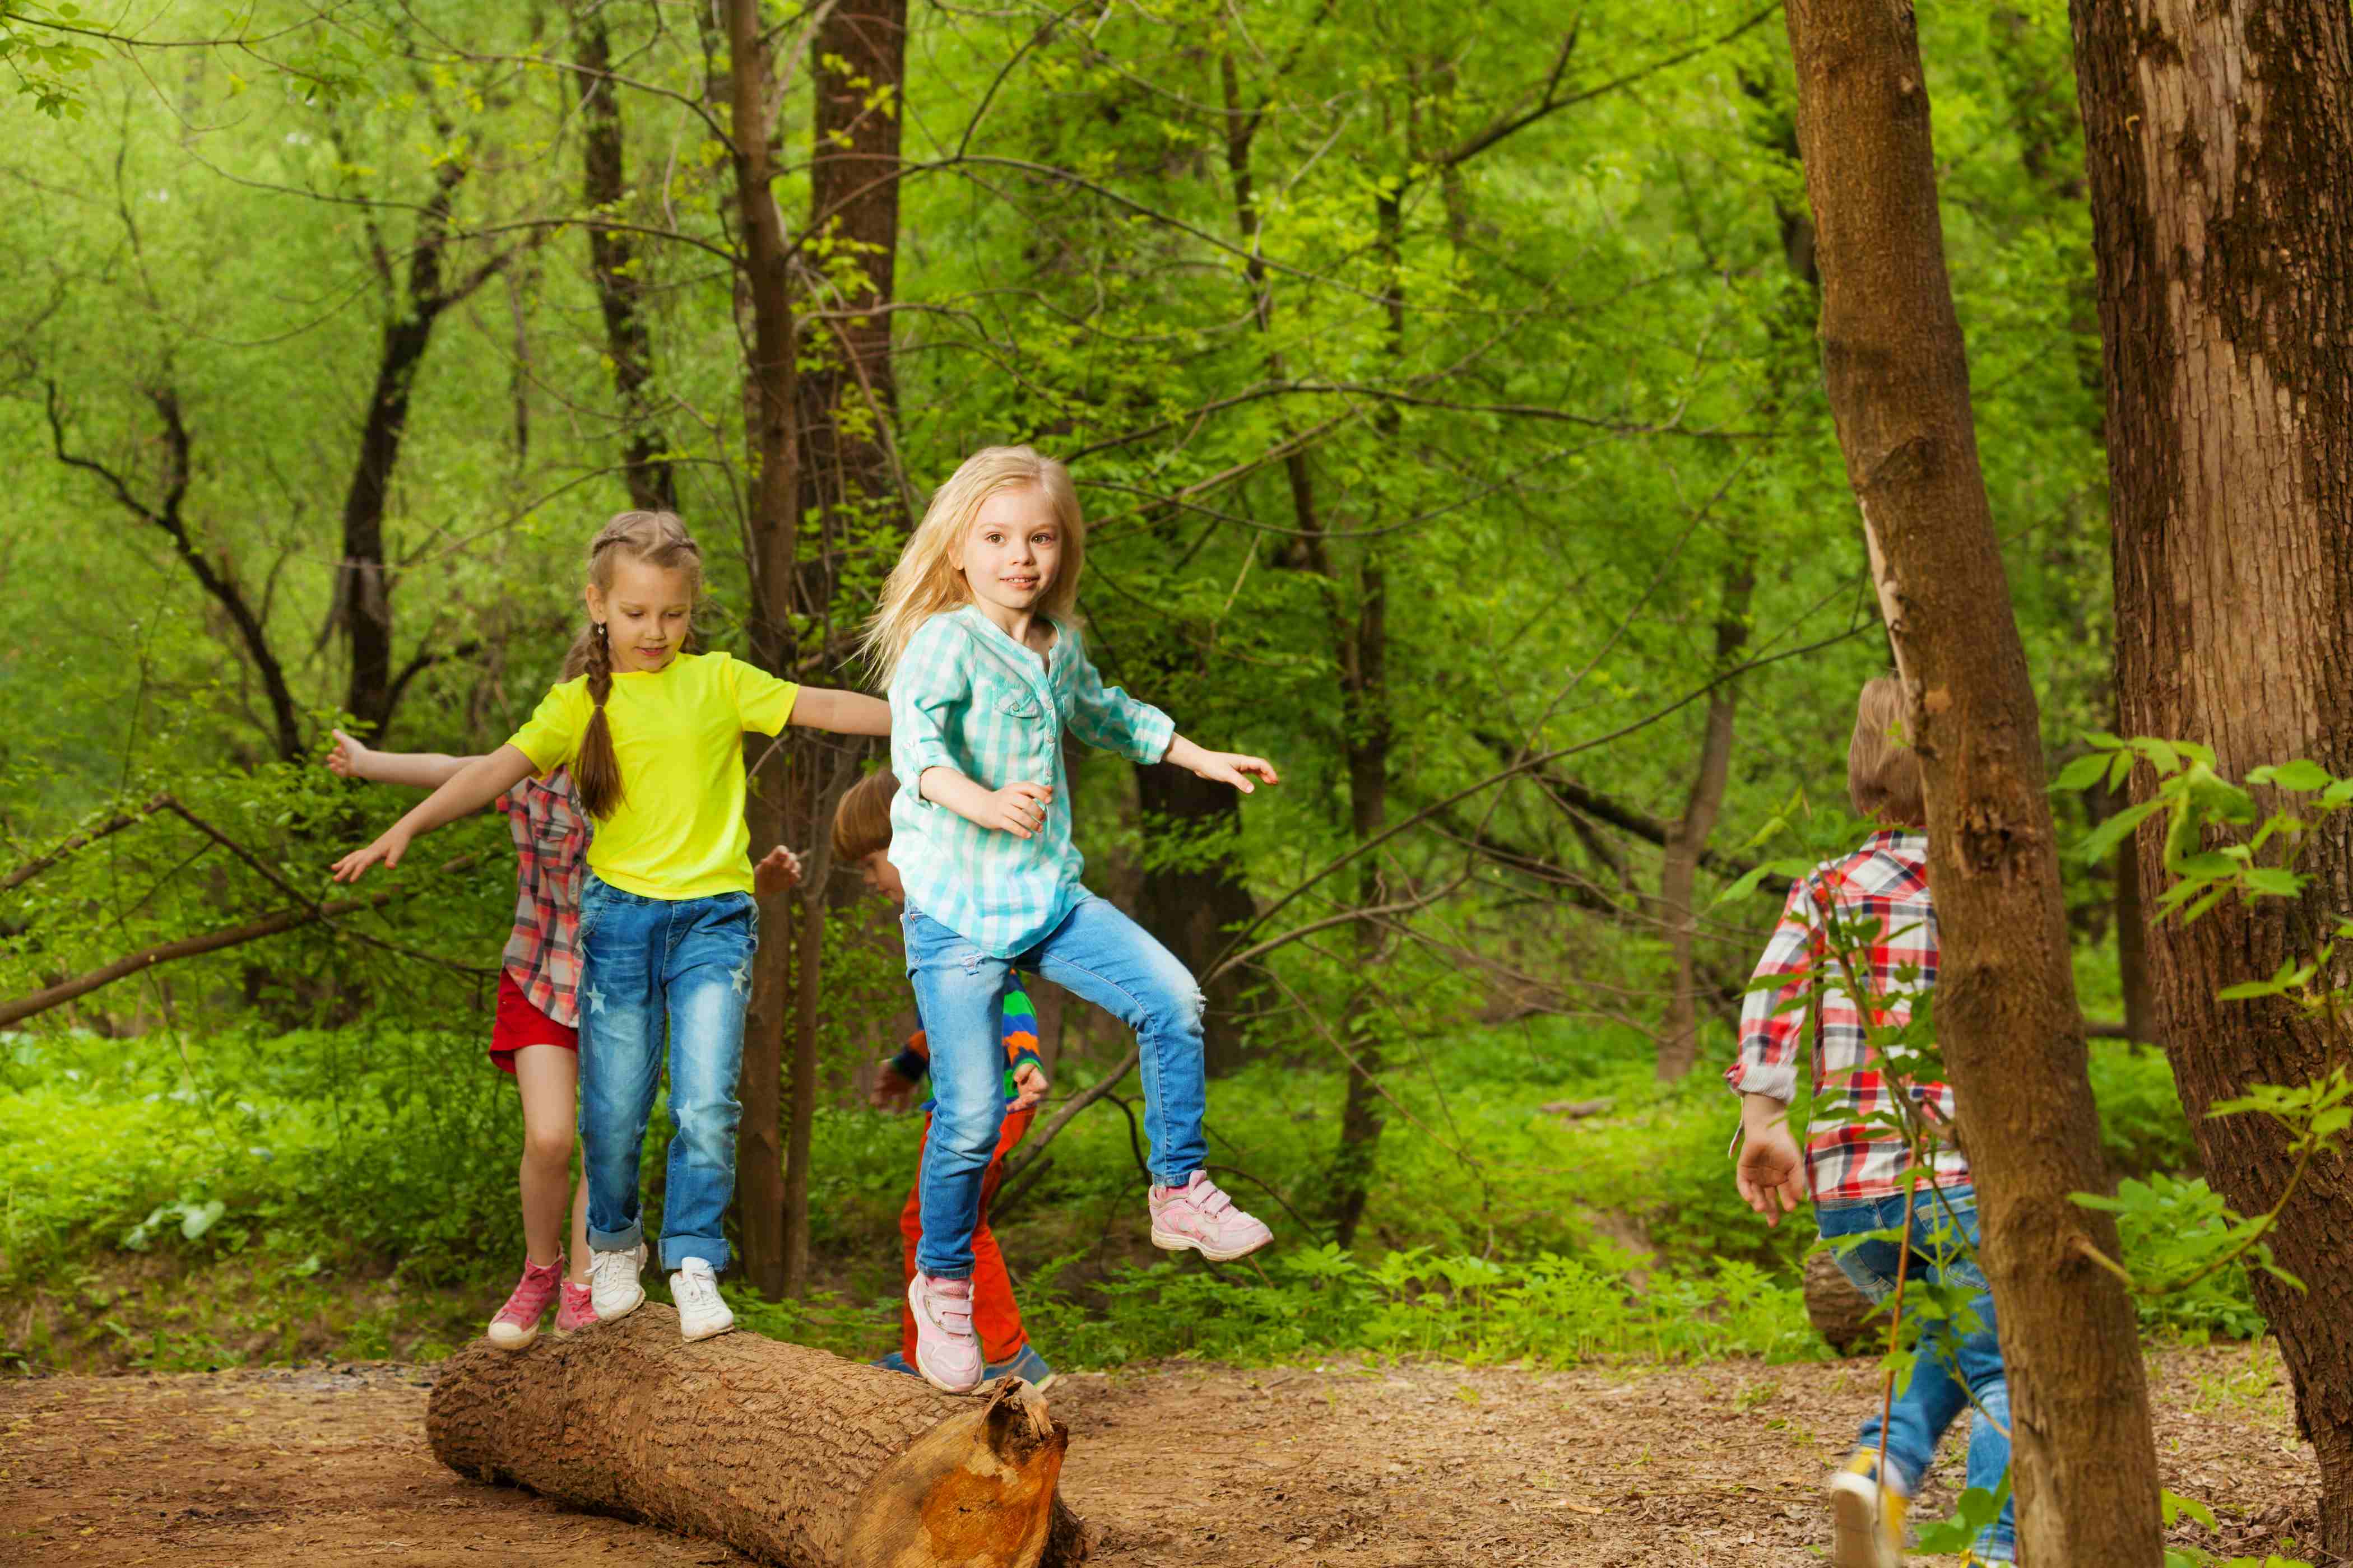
[(645, 963), (1096, 952), (1947, 1367)]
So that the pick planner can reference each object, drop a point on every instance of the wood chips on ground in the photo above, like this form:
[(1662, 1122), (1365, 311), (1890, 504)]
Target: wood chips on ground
[(1175, 1466)]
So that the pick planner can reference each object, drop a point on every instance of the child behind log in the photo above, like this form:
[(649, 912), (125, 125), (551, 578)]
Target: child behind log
[(1855, 1166), (861, 838)]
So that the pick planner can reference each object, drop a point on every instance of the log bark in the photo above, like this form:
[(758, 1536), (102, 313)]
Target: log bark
[(2083, 1458), (2220, 147), (1840, 1313), (787, 1453)]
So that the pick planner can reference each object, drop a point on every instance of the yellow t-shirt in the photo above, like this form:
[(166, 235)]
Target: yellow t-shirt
[(678, 731)]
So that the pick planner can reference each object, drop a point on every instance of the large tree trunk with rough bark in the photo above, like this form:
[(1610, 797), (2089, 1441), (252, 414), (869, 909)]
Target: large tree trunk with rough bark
[(2083, 1460), (772, 535), (787, 1453), (2221, 153)]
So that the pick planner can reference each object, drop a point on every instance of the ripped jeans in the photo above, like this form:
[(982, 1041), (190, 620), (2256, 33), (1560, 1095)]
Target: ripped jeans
[(1096, 952), (1950, 1369), (648, 965)]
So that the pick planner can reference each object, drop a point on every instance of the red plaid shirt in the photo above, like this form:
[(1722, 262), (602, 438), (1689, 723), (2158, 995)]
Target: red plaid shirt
[(1886, 881), (551, 840)]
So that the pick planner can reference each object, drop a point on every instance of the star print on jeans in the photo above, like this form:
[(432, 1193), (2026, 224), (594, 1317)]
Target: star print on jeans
[(594, 998), (743, 978)]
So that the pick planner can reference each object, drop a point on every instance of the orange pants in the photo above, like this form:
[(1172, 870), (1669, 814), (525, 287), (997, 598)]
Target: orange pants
[(995, 1318)]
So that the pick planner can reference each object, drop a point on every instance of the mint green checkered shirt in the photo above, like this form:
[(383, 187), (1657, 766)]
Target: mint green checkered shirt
[(967, 697)]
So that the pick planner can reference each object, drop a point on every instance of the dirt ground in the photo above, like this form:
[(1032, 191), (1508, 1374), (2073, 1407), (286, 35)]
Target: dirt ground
[(1174, 1466)]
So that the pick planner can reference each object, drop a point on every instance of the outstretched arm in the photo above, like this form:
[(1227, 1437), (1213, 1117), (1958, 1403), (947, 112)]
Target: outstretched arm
[(1018, 808), (475, 785), (417, 769), (843, 712), (1235, 768)]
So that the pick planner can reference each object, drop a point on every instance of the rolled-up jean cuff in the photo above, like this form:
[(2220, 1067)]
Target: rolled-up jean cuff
[(677, 1249), (616, 1241)]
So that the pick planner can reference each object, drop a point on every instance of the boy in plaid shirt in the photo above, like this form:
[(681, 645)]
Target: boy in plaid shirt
[(1855, 1162)]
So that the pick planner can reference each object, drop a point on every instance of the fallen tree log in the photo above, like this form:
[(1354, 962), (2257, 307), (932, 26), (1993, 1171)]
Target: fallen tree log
[(794, 1455), (1840, 1313)]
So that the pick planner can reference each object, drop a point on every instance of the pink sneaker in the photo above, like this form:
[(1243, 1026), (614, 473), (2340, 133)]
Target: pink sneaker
[(517, 1324), (947, 1352), (1202, 1217), (578, 1311)]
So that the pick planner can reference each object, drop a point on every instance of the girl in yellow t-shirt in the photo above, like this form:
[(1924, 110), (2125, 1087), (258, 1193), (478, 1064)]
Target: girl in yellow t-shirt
[(653, 737)]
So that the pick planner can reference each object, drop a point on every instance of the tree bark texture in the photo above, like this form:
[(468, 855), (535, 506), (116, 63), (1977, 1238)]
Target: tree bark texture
[(2220, 154), (612, 258), (2083, 1460), (1679, 1036), (772, 532), (848, 396), (791, 1455), (1192, 905), (1842, 1314)]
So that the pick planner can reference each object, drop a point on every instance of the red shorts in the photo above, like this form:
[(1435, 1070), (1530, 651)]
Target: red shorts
[(519, 1023)]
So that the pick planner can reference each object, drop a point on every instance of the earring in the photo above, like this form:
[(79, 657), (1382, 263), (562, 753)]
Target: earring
[(600, 627)]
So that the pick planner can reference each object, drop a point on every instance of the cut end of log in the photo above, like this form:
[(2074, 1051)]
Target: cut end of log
[(1840, 1313), (977, 1489)]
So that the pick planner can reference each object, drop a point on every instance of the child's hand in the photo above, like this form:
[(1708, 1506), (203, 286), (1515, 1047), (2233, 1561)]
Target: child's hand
[(1232, 768), (891, 1093), (1029, 1081), (349, 759), (1772, 1172), (778, 869), (1018, 808), (388, 849)]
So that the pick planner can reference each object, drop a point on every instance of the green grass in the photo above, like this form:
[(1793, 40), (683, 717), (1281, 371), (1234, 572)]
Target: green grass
[(176, 1204)]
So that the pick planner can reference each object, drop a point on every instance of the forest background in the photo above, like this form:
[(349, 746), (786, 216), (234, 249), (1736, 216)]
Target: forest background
[(1443, 387)]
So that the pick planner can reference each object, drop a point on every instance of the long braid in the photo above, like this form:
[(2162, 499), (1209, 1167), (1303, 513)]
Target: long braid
[(596, 773)]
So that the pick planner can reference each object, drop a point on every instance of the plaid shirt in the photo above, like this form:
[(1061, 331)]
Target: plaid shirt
[(551, 840), (1886, 881), (967, 697)]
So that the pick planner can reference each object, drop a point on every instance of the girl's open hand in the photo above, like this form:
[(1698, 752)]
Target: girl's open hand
[(1030, 1085), (778, 869), (1018, 808), (348, 759), (388, 849), (1235, 769)]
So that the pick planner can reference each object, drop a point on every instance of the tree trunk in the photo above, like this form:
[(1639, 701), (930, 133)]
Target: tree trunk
[(612, 259), (1679, 1037), (789, 1454), (2084, 1460), (2220, 151), (848, 396), (771, 528), (1193, 902)]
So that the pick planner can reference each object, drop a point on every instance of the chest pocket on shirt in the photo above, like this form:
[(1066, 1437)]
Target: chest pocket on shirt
[(1014, 701)]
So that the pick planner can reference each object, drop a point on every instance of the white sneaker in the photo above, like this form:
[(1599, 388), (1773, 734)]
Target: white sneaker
[(701, 1313), (613, 1282)]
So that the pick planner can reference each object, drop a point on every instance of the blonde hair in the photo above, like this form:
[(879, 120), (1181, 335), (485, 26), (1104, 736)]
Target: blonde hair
[(862, 823), (926, 582), (1883, 771), (657, 538)]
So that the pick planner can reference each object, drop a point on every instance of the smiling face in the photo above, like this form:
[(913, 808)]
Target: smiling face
[(646, 612), (1013, 551)]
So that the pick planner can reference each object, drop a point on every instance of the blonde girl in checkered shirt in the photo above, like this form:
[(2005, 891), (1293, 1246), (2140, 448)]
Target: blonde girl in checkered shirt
[(977, 637)]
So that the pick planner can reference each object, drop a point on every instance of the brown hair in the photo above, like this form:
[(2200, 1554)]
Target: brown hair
[(1883, 771), (657, 538), (862, 823)]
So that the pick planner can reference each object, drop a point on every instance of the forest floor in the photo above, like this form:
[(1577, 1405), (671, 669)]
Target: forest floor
[(1352, 1465)]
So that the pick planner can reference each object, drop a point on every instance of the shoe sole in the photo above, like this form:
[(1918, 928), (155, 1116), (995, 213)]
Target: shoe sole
[(1856, 1538), (691, 1335), (606, 1317), (1169, 1241), (511, 1345)]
